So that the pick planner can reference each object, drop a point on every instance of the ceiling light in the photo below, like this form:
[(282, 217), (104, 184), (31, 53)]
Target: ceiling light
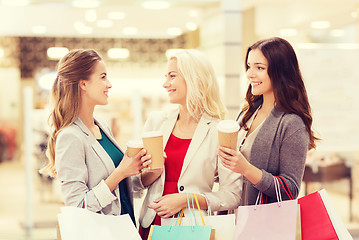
[(85, 3), (354, 14), (130, 31), (2, 54), (320, 24), (288, 32), (193, 13), (104, 23), (116, 15), (118, 53), (91, 15), (45, 81), (174, 31), (15, 3), (337, 33), (156, 5), (191, 26), (38, 29), (56, 53)]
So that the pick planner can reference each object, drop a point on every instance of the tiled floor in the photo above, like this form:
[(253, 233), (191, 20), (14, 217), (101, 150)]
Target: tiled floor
[(46, 205)]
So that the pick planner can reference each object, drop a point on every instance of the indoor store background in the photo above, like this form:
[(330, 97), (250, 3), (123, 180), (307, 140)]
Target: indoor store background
[(133, 36)]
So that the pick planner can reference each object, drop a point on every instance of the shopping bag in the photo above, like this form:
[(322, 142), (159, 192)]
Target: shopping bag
[(78, 223), (178, 232), (319, 219), (224, 225), (298, 230), (267, 221)]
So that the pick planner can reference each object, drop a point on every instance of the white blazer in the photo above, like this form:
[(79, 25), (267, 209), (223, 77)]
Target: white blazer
[(82, 165), (200, 167)]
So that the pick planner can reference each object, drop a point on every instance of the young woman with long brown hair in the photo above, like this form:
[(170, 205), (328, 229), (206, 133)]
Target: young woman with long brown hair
[(276, 123), (82, 151)]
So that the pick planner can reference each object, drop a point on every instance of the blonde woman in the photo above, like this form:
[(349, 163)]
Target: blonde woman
[(190, 140), (82, 151)]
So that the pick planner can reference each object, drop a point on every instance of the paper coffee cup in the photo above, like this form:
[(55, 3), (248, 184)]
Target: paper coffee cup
[(133, 147), (228, 133), (153, 143)]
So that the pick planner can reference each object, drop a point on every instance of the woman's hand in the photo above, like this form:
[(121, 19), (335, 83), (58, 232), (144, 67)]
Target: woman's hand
[(127, 167), (148, 176), (168, 205), (133, 166), (233, 160)]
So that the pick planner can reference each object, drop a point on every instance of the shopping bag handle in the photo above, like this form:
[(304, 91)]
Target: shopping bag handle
[(83, 203), (277, 192), (286, 188), (181, 213), (199, 209)]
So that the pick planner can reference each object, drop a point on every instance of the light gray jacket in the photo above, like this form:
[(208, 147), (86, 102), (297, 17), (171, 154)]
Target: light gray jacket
[(82, 165), (200, 167), (279, 149)]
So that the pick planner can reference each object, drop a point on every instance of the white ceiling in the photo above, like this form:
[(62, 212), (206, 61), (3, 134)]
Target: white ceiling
[(59, 17)]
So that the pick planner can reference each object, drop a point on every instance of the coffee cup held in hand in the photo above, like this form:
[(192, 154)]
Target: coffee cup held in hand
[(153, 143), (228, 133), (134, 147)]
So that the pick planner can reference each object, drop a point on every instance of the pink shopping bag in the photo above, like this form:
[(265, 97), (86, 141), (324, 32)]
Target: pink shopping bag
[(267, 221)]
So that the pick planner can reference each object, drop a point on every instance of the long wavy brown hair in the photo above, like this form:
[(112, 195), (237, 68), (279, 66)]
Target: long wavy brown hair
[(66, 98), (287, 83)]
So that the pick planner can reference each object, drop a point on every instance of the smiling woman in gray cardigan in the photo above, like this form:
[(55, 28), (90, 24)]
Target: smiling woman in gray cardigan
[(276, 123)]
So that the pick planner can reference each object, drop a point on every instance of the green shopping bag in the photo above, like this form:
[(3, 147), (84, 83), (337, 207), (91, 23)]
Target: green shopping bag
[(177, 232)]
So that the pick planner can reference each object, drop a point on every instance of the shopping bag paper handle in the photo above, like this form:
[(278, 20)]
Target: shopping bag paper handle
[(199, 209)]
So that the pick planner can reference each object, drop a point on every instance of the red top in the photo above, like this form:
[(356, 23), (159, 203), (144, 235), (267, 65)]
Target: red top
[(176, 150)]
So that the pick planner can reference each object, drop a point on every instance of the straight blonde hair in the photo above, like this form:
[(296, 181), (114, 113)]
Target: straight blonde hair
[(202, 86)]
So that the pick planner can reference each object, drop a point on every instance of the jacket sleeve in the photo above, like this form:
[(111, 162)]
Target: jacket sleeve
[(228, 194), (229, 191), (70, 160)]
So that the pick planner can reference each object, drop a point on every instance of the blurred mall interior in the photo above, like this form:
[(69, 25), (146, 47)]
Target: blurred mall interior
[(133, 37)]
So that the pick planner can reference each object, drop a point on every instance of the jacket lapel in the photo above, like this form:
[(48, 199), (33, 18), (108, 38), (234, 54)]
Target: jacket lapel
[(106, 158), (169, 125), (96, 146), (197, 139), (98, 149)]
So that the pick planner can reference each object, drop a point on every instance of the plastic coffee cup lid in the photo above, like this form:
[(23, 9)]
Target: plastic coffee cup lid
[(228, 126), (135, 143), (152, 134)]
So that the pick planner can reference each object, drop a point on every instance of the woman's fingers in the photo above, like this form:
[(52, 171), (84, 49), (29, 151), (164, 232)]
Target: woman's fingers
[(146, 160), (228, 151), (223, 154)]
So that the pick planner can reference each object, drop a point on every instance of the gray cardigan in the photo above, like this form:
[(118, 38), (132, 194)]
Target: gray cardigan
[(279, 149)]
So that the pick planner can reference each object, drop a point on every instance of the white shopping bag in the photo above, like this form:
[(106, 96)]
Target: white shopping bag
[(78, 223), (224, 225)]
